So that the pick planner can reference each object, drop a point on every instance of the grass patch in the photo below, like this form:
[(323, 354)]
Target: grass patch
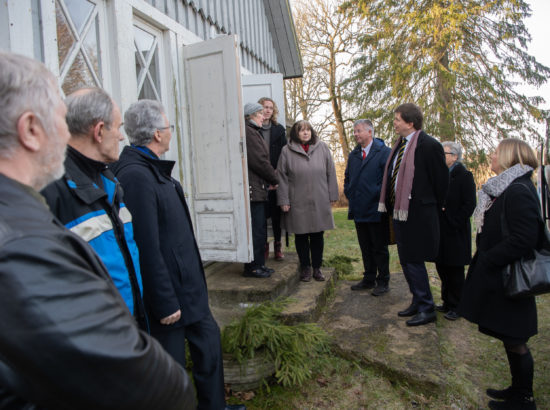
[(472, 361)]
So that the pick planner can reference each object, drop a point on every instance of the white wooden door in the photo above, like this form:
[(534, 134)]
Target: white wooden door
[(256, 86), (218, 151)]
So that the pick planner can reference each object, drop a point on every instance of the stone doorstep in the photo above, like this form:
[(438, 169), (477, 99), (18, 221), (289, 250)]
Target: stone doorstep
[(230, 293), (366, 328)]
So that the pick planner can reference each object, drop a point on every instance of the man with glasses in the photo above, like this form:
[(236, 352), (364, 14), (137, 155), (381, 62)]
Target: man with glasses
[(175, 293), (88, 198)]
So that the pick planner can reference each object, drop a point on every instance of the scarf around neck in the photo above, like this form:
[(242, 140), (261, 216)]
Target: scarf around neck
[(493, 188), (405, 176)]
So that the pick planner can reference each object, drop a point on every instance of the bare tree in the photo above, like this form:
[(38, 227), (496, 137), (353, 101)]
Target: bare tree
[(328, 45)]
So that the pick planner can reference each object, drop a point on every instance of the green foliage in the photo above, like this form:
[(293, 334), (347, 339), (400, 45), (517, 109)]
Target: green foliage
[(459, 60), (292, 348), (342, 264)]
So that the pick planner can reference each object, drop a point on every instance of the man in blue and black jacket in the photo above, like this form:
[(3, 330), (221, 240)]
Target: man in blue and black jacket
[(88, 198)]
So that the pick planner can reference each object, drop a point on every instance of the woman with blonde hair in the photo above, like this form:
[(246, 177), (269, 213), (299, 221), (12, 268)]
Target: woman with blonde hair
[(275, 137), (509, 227), (307, 187)]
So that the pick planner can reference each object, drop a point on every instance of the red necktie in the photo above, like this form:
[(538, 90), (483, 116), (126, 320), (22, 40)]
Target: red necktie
[(364, 154)]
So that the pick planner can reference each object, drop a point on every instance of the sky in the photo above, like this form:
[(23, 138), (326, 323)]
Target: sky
[(539, 28)]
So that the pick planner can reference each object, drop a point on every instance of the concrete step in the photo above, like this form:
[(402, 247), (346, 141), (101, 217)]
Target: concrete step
[(230, 293)]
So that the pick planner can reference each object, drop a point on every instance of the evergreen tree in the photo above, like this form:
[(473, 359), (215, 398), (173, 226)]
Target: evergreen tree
[(460, 60)]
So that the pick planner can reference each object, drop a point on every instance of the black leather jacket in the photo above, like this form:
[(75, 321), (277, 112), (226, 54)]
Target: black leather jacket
[(67, 340)]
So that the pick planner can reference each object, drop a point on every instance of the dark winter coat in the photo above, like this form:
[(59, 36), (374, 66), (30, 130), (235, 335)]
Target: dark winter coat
[(277, 141), (483, 300), (261, 173), (455, 244), (171, 266), (100, 217), (420, 233), (67, 340), (363, 181)]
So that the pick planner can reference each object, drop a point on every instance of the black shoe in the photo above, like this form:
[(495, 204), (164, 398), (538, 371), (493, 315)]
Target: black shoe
[(256, 273), (410, 311), (451, 315), (235, 407), (268, 270), (363, 284), (503, 394), (442, 308), (380, 290), (422, 318)]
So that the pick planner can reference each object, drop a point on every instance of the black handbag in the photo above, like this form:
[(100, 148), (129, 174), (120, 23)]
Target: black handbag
[(528, 276)]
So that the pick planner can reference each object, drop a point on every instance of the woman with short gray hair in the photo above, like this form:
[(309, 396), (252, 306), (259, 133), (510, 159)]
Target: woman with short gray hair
[(455, 244)]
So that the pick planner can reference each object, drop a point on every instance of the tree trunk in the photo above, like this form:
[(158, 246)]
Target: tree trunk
[(447, 129)]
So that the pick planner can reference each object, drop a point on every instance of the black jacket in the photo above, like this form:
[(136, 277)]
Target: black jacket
[(67, 340), (277, 140), (171, 266), (261, 173), (483, 301), (455, 244), (420, 233), (99, 216)]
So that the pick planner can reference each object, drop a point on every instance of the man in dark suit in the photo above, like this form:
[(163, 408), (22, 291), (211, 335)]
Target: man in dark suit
[(174, 284), (362, 183), (414, 189)]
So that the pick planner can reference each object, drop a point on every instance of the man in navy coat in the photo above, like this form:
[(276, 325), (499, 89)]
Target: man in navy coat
[(174, 284), (362, 184)]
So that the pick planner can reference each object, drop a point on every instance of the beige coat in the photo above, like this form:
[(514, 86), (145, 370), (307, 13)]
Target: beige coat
[(307, 182)]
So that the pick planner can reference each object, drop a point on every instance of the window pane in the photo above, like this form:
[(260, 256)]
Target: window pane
[(91, 46), (79, 10), (78, 76), (65, 38), (144, 40)]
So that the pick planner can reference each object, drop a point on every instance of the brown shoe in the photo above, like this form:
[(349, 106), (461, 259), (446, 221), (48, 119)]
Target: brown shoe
[(266, 250), (317, 275), (279, 251), (305, 274)]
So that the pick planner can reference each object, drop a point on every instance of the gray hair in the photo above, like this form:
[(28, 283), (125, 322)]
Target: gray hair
[(86, 107), (367, 123), (455, 148), (142, 119), (25, 85)]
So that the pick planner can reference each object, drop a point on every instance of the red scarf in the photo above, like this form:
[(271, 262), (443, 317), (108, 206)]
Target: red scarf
[(305, 147)]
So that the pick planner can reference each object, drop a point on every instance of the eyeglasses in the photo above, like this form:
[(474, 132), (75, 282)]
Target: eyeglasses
[(171, 126), (449, 153)]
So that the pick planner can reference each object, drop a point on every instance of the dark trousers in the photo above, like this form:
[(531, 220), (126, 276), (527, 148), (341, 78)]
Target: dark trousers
[(374, 250), (206, 353), (274, 212), (310, 243), (452, 281), (259, 234), (416, 276)]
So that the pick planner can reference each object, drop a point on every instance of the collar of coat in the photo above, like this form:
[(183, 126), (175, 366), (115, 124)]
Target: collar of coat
[(299, 150), (161, 168)]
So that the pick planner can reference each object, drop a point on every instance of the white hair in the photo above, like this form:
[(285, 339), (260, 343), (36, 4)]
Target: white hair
[(25, 85)]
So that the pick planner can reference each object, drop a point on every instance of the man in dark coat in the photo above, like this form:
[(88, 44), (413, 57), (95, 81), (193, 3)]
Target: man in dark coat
[(414, 189), (67, 340), (362, 184), (88, 198), (174, 284), (455, 245)]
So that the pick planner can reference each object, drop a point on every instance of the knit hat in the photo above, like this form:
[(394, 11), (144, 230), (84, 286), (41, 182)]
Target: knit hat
[(251, 108)]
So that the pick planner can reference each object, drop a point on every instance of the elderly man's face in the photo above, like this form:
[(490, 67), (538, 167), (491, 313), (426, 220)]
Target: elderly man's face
[(362, 134), (51, 162), (109, 147)]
